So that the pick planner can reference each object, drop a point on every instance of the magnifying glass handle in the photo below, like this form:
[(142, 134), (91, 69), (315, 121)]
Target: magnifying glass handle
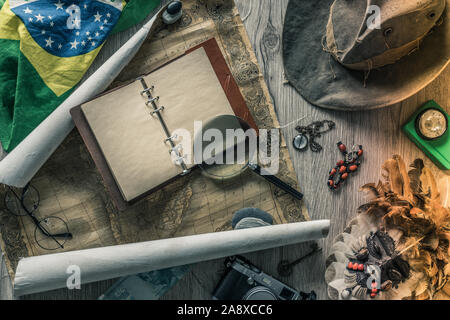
[(279, 183)]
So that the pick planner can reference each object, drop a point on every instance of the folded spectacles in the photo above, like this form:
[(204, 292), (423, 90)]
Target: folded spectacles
[(51, 232)]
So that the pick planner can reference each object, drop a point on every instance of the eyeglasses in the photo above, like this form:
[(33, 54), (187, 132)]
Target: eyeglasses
[(51, 232)]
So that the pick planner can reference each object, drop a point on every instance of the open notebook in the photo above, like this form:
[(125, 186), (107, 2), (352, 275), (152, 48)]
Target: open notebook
[(124, 132)]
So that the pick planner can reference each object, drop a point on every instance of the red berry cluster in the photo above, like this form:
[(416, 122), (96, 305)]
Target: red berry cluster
[(374, 291), (355, 266), (344, 167)]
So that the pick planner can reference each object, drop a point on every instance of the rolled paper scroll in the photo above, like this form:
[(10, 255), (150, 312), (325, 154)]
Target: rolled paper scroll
[(53, 271)]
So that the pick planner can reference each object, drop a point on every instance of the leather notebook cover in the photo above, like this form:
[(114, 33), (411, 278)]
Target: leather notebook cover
[(127, 143)]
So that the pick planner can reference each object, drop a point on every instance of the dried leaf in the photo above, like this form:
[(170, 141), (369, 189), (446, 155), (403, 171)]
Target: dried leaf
[(446, 288), (407, 192), (426, 295), (371, 189), (422, 287), (444, 191), (428, 184), (411, 204), (446, 270), (393, 176), (433, 270), (442, 280), (441, 296), (445, 238), (431, 242), (414, 175), (412, 249)]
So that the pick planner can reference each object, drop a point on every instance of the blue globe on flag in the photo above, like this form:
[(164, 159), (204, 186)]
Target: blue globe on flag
[(67, 28)]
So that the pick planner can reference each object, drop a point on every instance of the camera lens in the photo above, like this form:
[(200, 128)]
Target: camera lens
[(260, 293)]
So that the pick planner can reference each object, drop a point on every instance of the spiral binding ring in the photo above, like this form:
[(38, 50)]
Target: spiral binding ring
[(185, 172), (171, 138), (157, 110), (147, 90), (152, 100), (175, 149), (179, 160)]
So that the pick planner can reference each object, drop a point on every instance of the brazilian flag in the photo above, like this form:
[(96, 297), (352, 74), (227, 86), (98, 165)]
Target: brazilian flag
[(46, 46)]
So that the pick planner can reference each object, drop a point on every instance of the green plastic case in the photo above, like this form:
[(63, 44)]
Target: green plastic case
[(437, 150)]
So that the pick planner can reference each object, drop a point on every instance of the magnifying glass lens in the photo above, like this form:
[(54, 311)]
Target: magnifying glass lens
[(226, 144)]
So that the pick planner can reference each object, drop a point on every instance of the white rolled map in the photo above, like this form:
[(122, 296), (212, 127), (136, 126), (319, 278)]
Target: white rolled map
[(53, 271)]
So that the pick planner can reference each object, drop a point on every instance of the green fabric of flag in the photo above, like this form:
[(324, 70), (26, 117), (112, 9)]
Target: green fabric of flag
[(134, 12)]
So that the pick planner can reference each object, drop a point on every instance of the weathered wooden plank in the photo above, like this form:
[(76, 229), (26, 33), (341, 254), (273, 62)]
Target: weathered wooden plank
[(5, 283), (377, 130)]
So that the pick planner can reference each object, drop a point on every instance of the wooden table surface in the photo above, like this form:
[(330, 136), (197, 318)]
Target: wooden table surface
[(377, 130)]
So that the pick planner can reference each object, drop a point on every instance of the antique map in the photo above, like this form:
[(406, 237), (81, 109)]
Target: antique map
[(70, 187)]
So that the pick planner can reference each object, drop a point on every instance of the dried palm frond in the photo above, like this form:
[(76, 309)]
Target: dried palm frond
[(412, 202), (444, 191)]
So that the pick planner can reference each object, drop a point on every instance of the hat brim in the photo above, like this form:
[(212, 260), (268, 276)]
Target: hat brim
[(324, 82)]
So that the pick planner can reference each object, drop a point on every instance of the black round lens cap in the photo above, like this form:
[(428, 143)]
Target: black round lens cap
[(174, 7)]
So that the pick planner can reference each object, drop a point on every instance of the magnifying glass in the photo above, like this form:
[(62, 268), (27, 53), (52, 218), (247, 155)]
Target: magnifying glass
[(226, 146)]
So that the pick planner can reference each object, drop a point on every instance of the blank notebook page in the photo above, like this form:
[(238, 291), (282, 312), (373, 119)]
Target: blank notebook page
[(132, 140)]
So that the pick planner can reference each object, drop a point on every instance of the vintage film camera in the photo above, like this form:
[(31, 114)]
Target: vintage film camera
[(244, 281)]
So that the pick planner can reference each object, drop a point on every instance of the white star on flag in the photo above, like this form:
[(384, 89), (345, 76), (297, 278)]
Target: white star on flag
[(97, 17), (40, 18), (48, 42), (93, 43), (30, 19), (77, 33), (43, 31), (108, 14), (50, 17), (59, 5), (105, 21), (51, 24), (74, 44), (97, 34), (59, 46), (28, 11), (89, 38), (83, 43), (85, 6), (101, 27), (88, 33)]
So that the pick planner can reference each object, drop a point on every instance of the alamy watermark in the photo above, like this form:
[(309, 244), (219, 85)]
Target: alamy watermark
[(374, 18), (232, 146), (374, 279), (74, 279)]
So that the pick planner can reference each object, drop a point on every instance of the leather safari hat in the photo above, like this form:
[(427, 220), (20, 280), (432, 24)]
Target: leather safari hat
[(364, 54)]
